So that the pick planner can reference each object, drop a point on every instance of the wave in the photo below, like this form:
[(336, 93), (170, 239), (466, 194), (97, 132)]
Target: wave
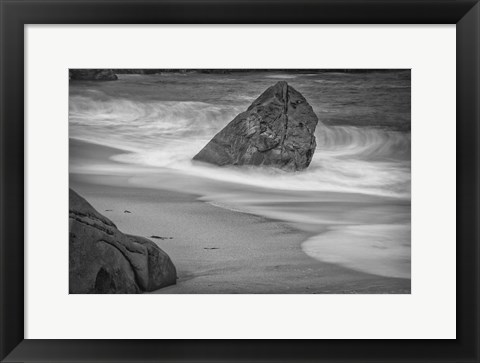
[(281, 76), (139, 126), (364, 162), (168, 134), (154, 116), (382, 249), (363, 142)]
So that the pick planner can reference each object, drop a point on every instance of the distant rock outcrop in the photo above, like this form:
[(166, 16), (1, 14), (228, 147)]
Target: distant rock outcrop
[(103, 260), (276, 130), (92, 75)]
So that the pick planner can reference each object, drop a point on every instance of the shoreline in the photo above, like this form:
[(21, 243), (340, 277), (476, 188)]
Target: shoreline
[(217, 250)]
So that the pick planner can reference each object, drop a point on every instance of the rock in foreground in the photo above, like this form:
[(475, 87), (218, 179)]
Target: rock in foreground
[(276, 130), (103, 260), (92, 75)]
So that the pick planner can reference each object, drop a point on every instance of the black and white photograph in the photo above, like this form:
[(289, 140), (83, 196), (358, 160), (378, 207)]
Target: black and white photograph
[(239, 181)]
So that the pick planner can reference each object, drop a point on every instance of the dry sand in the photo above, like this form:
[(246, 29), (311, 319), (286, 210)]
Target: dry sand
[(216, 250)]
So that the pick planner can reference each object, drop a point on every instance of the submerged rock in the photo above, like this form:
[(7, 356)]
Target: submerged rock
[(276, 130), (92, 75), (103, 260)]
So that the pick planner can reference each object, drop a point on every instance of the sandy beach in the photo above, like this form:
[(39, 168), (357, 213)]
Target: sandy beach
[(215, 250)]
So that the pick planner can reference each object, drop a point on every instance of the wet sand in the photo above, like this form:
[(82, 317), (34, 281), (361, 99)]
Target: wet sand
[(215, 250)]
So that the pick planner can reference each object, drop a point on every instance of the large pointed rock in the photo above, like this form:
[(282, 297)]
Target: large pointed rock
[(103, 260), (276, 130)]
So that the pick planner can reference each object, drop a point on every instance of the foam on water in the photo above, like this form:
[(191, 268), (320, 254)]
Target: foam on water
[(377, 249)]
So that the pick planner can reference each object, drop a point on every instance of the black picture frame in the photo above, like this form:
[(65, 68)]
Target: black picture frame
[(15, 14)]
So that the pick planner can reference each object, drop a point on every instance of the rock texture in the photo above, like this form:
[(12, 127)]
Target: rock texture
[(276, 130), (92, 75), (103, 260)]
